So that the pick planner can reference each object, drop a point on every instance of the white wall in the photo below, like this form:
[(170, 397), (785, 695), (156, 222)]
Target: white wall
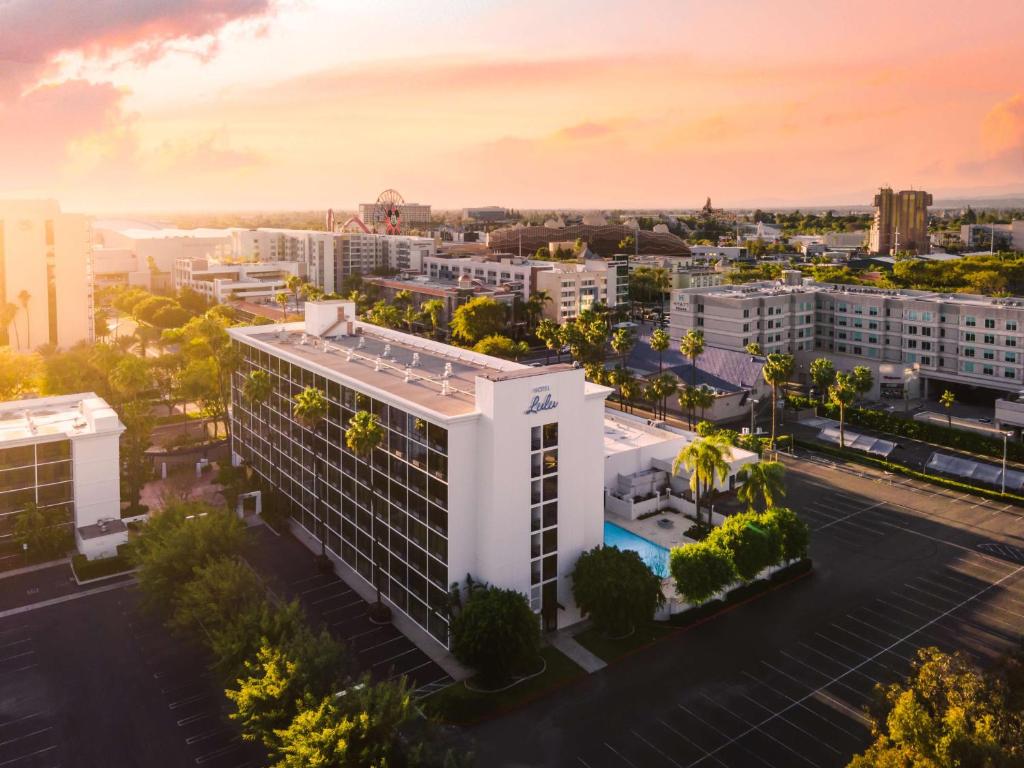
[(96, 478)]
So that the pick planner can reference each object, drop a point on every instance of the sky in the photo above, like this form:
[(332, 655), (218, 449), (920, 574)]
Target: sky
[(190, 105)]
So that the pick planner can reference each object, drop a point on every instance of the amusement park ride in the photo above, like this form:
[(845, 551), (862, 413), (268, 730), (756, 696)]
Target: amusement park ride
[(388, 211)]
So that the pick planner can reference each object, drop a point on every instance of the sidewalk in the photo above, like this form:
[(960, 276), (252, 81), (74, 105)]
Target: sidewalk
[(566, 643)]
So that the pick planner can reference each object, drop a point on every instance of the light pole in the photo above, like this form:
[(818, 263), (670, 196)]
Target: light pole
[(1002, 489), (753, 403)]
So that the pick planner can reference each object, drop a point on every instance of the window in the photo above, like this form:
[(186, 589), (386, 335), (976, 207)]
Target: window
[(988, 354), (989, 339), (990, 322), (1009, 373), (970, 321), (1010, 357), (1011, 325), (988, 370), (969, 337), (968, 352), (968, 367)]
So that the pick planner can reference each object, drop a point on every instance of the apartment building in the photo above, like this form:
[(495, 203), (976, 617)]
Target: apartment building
[(411, 215), (257, 281), (901, 222), (910, 339), (487, 466), (518, 274), (576, 286), (45, 272), (63, 452)]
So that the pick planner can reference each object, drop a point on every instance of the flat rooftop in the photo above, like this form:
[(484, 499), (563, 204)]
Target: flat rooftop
[(384, 359), (629, 433), (776, 288), (39, 419)]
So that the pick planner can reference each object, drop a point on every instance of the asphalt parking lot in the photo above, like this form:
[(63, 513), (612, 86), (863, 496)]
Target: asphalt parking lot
[(384, 652), (784, 680)]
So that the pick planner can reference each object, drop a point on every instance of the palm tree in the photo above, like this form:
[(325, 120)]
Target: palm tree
[(403, 298), (294, 284), (9, 317), (310, 410), (662, 282), (363, 436), (282, 299), (433, 309), (692, 347), (688, 402), (410, 317), (664, 386), (630, 388), (659, 343), (534, 307), (777, 370), (753, 348), (946, 401), (842, 394), (823, 374), (23, 298), (763, 480), (257, 388), (704, 459), (703, 398), (622, 342)]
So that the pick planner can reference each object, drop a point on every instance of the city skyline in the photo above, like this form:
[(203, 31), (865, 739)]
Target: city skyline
[(263, 104)]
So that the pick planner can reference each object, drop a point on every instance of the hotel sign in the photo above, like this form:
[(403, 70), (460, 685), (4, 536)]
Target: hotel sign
[(542, 401)]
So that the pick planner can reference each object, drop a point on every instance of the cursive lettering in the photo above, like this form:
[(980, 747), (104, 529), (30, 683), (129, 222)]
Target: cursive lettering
[(537, 405)]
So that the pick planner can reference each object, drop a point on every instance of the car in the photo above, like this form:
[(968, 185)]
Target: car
[(983, 420)]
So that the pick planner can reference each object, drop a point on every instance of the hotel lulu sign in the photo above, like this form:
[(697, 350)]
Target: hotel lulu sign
[(541, 401)]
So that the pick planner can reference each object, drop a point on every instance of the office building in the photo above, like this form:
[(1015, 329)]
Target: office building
[(487, 466), (134, 253), (901, 222), (486, 213), (411, 215), (576, 286), (910, 339), (45, 273), (62, 452), (258, 281), (996, 237)]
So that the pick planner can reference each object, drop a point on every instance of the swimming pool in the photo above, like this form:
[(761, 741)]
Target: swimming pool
[(654, 555)]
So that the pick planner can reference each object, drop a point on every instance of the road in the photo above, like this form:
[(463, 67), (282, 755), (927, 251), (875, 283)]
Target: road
[(783, 681)]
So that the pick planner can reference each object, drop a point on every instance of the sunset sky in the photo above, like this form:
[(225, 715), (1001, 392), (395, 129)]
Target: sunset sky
[(131, 105)]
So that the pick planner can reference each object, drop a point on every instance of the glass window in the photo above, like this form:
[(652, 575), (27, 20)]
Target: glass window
[(59, 450), (551, 435)]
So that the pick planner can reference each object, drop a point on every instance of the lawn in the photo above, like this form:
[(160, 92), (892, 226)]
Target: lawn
[(458, 705), (610, 649)]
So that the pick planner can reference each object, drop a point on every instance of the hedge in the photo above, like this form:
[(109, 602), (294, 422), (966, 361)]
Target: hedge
[(900, 469), (87, 570), (928, 432)]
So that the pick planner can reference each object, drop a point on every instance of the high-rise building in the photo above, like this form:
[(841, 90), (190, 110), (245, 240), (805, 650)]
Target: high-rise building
[(411, 215), (45, 272), (901, 222)]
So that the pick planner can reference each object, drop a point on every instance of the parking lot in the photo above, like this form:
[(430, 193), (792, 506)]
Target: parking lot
[(784, 681)]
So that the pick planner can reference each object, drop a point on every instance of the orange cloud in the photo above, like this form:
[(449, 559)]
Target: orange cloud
[(1003, 127)]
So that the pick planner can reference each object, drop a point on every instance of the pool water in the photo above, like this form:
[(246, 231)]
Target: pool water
[(654, 555)]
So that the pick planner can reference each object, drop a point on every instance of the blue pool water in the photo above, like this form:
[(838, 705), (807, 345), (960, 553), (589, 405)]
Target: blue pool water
[(654, 555)]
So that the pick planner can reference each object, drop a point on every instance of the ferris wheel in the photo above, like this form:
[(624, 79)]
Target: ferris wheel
[(388, 211)]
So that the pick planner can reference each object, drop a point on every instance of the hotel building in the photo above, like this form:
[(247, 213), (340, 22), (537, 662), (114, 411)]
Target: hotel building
[(247, 281), (901, 222), (63, 452), (413, 215), (906, 337), (487, 467), (576, 286)]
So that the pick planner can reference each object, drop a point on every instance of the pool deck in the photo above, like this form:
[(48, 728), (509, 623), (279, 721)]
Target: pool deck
[(650, 530)]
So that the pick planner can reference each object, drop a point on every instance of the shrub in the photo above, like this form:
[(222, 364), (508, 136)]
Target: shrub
[(496, 632), (794, 533), (701, 570), (615, 588), (753, 543)]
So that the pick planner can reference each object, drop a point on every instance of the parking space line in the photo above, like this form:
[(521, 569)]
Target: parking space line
[(426, 663), (231, 747), (329, 611), (16, 642), (789, 698), (205, 735), (720, 732), (20, 719), (659, 751), (188, 700), (383, 643), (307, 579), (42, 751), (807, 665), (836, 661), (357, 635), (311, 590), (17, 656), (692, 743), (9, 672), (396, 656), (907, 637), (26, 736), (329, 598), (194, 719), (746, 722), (847, 517), (802, 684), (621, 756), (847, 648)]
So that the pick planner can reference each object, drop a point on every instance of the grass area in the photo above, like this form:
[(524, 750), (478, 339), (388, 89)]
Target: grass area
[(610, 649), (458, 705)]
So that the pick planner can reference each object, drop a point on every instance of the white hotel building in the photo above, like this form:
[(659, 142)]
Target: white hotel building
[(488, 467), (63, 452), (910, 339)]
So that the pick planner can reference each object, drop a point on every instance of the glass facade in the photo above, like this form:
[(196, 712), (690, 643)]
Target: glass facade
[(387, 516), (40, 474), (544, 522)]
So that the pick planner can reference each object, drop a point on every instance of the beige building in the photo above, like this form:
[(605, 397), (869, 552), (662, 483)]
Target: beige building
[(46, 254), (576, 286), (901, 222)]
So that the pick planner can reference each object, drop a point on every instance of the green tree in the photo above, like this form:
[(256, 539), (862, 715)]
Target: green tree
[(130, 378), (43, 530), (24, 297), (659, 343), (477, 319), (823, 374), (705, 460), (385, 315), (796, 536), (550, 334), (778, 368), (663, 386), (282, 298), (138, 436), (946, 400), (704, 398), (688, 403), (497, 633), (534, 307), (501, 346), (8, 320), (616, 589), (862, 380), (363, 436), (701, 570), (753, 348), (622, 342), (20, 373), (754, 544), (692, 347), (207, 348), (214, 596), (257, 388), (842, 393), (764, 482), (434, 311)]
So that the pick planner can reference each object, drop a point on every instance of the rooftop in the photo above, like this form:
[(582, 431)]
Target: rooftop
[(407, 367), (627, 433), (45, 418), (724, 370)]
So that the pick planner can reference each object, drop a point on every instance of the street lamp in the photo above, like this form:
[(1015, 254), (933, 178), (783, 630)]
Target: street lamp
[(1002, 489), (753, 402)]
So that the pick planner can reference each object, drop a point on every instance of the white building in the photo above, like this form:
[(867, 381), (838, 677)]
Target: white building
[(44, 258), (63, 452), (412, 215), (258, 282), (576, 286), (506, 270), (488, 467), (718, 252), (982, 236), (133, 253)]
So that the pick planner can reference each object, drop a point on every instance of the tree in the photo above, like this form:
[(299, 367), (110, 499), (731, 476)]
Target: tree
[(130, 378), (478, 318), (762, 481), (701, 570), (100, 323), (549, 333), (778, 368), (42, 529), (213, 597), (823, 374), (24, 297), (19, 373), (433, 309), (497, 633), (310, 409), (704, 459), (947, 400), (842, 394), (688, 403), (363, 436), (211, 361), (629, 388), (754, 544), (385, 315), (753, 348), (282, 298), (534, 307), (704, 398), (795, 535), (949, 714), (622, 341), (257, 388), (663, 386), (862, 380), (182, 538), (294, 284), (138, 436), (659, 343), (692, 347), (8, 319), (501, 346), (616, 589)]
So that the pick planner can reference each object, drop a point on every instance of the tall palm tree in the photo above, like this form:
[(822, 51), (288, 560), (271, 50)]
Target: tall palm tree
[(659, 343), (631, 388), (692, 347), (703, 398), (433, 310), (687, 402), (662, 282), (763, 480), (310, 410), (622, 342), (704, 459), (9, 317), (282, 299), (778, 369), (23, 298), (842, 393), (664, 386), (294, 284), (363, 436), (534, 307), (257, 389)]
